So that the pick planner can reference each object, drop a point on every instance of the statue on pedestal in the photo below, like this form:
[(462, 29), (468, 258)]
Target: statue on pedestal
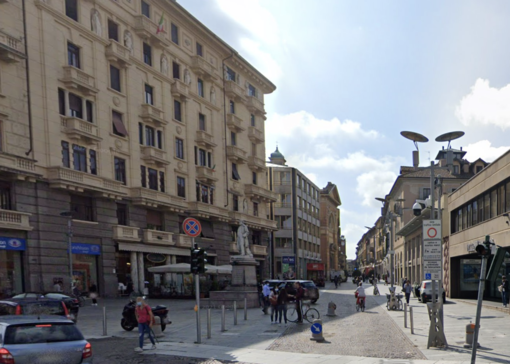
[(95, 22), (242, 239)]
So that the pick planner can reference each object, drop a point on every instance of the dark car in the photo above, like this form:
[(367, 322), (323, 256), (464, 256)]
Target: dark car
[(42, 339), (34, 306), (311, 290), (72, 303)]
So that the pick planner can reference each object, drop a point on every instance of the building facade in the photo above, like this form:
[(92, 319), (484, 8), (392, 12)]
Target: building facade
[(331, 246), (122, 119)]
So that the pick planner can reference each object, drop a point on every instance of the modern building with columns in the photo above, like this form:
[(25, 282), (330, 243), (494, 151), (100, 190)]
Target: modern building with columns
[(124, 118)]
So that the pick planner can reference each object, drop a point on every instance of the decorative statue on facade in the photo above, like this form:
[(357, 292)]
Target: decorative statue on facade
[(164, 65), (213, 95), (95, 22), (242, 239), (187, 77), (128, 41)]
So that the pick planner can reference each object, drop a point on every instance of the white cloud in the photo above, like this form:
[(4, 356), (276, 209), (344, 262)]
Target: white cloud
[(484, 149), (375, 184), (485, 105)]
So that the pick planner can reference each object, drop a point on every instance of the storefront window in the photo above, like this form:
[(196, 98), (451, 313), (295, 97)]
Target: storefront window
[(470, 274), (85, 265), (11, 263)]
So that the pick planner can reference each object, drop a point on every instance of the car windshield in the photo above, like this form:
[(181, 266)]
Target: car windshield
[(41, 333), (43, 308)]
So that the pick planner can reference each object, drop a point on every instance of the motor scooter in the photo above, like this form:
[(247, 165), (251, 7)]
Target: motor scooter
[(129, 322)]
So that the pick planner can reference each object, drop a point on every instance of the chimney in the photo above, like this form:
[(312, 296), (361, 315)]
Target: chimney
[(416, 158)]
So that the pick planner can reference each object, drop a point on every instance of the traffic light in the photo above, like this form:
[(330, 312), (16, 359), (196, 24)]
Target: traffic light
[(484, 249), (194, 260), (202, 260)]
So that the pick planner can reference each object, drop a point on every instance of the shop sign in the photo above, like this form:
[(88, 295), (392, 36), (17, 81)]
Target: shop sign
[(89, 249), (156, 258), (12, 244), (315, 266), (289, 260)]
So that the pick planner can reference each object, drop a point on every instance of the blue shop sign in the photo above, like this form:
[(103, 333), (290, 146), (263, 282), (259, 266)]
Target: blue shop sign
[(289, 260), (12, 244), (90, 249)]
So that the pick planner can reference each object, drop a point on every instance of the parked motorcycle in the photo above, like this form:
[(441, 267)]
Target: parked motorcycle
[(128, 321)]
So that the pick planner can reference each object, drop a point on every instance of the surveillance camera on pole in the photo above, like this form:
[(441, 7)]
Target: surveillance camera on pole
[(420, 205)]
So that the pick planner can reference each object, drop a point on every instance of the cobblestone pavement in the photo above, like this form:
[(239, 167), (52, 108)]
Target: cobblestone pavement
[(372, 333), (121, 351)]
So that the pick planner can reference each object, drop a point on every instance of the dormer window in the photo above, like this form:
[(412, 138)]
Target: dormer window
[(456, 169)]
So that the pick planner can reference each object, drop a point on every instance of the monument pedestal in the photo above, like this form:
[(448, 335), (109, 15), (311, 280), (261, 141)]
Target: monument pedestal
[(243, 285)]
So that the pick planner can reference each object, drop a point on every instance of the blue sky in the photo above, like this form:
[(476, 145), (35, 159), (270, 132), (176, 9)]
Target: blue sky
[(351, 75)]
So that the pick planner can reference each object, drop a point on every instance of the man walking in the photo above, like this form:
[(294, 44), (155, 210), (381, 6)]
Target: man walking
[(300, 292), (407, 290), (266, 291), (336, 281)]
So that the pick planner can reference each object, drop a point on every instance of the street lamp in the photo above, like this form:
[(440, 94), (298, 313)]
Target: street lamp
[(69, 216)]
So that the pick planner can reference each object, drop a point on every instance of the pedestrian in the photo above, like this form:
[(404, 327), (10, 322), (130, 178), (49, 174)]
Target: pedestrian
[(300, 292), (266, 291), (504, 291), (336, 281), (145, 318), (57, 287), (283, 300), (273, 301), (93, 293), (407, 290), (261, 296)]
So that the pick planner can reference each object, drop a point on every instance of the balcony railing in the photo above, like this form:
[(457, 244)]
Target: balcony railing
[(153, 115), (203, 68), (157, 237), (80, 130), (15, 220), (283, 204), (236, 154), (179, 89), (259, 250), (153, 155), (206, 210), (251, 221), (206, 175), (18, 163), (260, 193), (145, 197), (256, 164), (11, 48), (254, 105), (116, 52), (234, 91), (147, 30), (255, 135), (75, 78), (183, 241), (205, 140), (235, 123), (126, 233)]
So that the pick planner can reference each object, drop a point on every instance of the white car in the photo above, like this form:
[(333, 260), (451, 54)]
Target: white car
[(426, 292)]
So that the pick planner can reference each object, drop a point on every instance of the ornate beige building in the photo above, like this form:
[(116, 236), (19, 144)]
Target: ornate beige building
[(332, 250), (131, 127)]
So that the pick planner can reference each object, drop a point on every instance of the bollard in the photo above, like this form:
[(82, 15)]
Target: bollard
[(223, 318), (405, 315), (317, 331), (235, 312), (331, 309), (411, 319), (104, 322), (208, 323), (156, 328), (245, 309), (470, 330)]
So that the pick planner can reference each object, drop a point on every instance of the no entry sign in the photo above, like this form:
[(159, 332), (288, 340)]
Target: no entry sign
[(192, 227)]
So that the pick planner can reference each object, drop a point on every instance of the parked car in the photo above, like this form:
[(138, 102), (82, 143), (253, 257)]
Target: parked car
[(72, 303), (320, 282), (42, 339), (311, 290), (34, 306), (426, 292)]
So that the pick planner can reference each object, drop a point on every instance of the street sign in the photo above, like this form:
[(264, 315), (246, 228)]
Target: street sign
[(432, 249), (432, 268), (316, 328), (192, 227), (431, 229)]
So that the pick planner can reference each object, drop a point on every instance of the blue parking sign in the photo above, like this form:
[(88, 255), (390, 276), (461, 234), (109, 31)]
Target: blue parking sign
[(428, 276)]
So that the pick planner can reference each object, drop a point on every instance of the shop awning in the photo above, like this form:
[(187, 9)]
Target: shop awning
[(146, 248)]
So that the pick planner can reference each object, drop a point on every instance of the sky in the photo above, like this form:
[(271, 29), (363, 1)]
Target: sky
[(351, 75)]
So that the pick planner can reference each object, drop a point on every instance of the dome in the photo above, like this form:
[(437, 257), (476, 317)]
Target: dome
[(276, 154)]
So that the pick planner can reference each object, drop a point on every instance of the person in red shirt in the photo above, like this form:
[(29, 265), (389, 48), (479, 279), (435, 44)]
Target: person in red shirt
[(145, 318)]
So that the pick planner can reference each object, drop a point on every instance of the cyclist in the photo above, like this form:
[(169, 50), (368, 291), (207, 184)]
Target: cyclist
[(361, 293)]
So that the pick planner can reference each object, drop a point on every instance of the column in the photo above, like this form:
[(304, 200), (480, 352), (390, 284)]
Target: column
[(134, 271), (141, 276)]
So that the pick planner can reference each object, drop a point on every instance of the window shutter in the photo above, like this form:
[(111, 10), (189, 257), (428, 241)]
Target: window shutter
[(118, 124)]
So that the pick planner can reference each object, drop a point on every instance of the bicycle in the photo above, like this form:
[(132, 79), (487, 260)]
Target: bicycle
[(310, 314), (361, 304)]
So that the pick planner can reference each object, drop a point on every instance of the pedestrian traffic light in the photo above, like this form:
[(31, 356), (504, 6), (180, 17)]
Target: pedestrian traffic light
[(202, 260), (194, 260)]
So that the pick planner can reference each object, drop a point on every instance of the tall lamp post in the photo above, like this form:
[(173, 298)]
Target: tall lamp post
[(69, 216)]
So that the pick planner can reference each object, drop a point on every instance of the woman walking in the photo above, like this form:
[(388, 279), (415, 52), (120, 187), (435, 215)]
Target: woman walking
[(273, 300), (145, 318), (283, 299), (93, 293)]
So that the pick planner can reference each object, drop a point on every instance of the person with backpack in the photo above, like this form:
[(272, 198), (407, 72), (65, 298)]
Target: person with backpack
[(273, 301), (282, 301), (145, 318)]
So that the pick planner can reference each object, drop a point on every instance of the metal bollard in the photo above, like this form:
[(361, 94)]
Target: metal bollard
[(223, 318), (208, 323), (405, 315), (411, 318), (104, 322), (245, 309), (235, 312)]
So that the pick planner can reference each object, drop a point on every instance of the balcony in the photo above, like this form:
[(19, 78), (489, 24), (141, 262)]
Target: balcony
[(258, 193), (157, 237), (152, 115), (154, 156), (126, 233), (68, 179), (183, 241), (18, 166), (80, 130), (75, 78), (236, 154), (206, 175), (205, 140), (207, 211), (253, 222), (11, 48), (116, 52), (255, 135), (256, 164), (259, 250), (147, 29), (15, 220), (179, 90), (235, 123), (234, 91), (145, 197), (255, 106), (233, 248), (203, 69)]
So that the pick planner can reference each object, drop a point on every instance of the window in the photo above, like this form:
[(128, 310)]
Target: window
[(90, 111), (61, 102), (201, 122), (118, 125), (233, 138), (159, 139), (202, 157), (5, 196), (181, 187), (120, 169), (143, 175), (149, 136), (252, 121), (494, 203), (93, 161), (235, 174), (140, 133), (72, 9), (79, 158), (176, 70), (200, 85), (252, 91), (122, 214), (231, 75), (162, 181), (254, 177), (154, 220), (236, 202), (175, 33), (148, 95), (177, 110), (479, 169), (153, 179), (115, 78), (204, 193), (209, 159), (254, 149), (255, 209), (147, 54), (113, 30), (425, 193), (66, 162), (179, 148), (81, 208), (487, 206), (73, 55), (146, 9), (199, 50), (456, 169), (232, 107)]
